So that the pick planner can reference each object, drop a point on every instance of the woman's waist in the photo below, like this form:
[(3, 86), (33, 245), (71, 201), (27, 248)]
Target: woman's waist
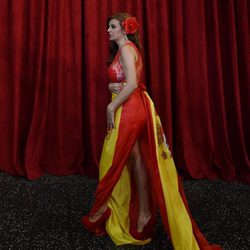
[(136, 94), (140, 84)]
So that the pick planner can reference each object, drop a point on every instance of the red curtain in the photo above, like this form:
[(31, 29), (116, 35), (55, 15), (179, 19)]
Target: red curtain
[(41, 87), (53, 84)]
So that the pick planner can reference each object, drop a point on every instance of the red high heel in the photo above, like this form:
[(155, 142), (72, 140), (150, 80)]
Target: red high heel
[(147, 232), (97, 227)]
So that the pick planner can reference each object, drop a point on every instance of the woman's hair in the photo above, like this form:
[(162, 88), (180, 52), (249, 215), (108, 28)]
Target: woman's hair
[(135, 38)]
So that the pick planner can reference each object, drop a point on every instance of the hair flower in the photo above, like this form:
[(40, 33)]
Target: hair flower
[(130, 25)]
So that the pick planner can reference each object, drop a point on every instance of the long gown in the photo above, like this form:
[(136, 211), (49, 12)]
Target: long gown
[(137, 119)]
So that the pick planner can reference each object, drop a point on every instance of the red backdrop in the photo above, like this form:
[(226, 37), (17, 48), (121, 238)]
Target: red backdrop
[(53, 85)]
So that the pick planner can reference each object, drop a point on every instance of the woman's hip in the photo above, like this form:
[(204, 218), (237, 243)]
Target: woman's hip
[(134, 110)]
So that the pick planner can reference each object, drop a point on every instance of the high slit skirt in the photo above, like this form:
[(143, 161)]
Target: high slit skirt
[(137, 119)]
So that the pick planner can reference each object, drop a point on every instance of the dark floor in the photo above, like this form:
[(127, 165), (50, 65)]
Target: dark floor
[(46, 213)]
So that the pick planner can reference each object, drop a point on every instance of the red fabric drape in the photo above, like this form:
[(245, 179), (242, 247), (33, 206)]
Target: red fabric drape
[(53, 84)]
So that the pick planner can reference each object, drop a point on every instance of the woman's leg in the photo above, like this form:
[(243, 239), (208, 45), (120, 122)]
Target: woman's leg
[(141, 179)]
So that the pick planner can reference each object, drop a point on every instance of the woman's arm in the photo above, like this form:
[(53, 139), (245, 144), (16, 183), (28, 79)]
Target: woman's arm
[(128, 58)]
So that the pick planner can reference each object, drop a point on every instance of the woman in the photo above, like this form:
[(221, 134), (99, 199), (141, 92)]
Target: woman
[(137, 172)]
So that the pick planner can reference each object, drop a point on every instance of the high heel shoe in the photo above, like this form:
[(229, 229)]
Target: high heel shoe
[(96, 227), (147, 232)]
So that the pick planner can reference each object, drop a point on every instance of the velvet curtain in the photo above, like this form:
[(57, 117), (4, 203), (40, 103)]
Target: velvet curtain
[(53, 83)]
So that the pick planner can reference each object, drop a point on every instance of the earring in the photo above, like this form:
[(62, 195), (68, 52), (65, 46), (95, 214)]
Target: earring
[(126, 38)]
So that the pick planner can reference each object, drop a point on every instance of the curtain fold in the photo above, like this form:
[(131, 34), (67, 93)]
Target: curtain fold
[(53, 83), (41, 97)]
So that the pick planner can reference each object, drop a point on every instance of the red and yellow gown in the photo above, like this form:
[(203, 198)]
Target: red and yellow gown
[(137, 119)]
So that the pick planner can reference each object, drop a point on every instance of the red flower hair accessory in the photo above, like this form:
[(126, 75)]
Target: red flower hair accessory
[(130, 25)]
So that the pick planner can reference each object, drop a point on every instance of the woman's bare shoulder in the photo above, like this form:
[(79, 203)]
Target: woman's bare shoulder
[(128, 51)]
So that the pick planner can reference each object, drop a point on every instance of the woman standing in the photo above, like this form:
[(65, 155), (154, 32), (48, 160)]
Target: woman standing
[(137, 172)]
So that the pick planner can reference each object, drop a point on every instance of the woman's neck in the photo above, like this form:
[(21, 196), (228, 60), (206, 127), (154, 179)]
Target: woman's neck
[(122, 41)]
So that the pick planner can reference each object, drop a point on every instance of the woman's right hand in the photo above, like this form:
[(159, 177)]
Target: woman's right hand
[(116, 87)]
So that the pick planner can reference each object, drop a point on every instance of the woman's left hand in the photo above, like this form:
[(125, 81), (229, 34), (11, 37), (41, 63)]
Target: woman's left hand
[(116, 87), (110, 117)]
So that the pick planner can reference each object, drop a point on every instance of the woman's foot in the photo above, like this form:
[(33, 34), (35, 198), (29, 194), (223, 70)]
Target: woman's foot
[(98, 215), (142, 221), (96, 224), (145, 227)]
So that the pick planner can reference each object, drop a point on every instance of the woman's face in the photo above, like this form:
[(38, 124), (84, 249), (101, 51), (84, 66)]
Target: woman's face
[(115, 30)]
